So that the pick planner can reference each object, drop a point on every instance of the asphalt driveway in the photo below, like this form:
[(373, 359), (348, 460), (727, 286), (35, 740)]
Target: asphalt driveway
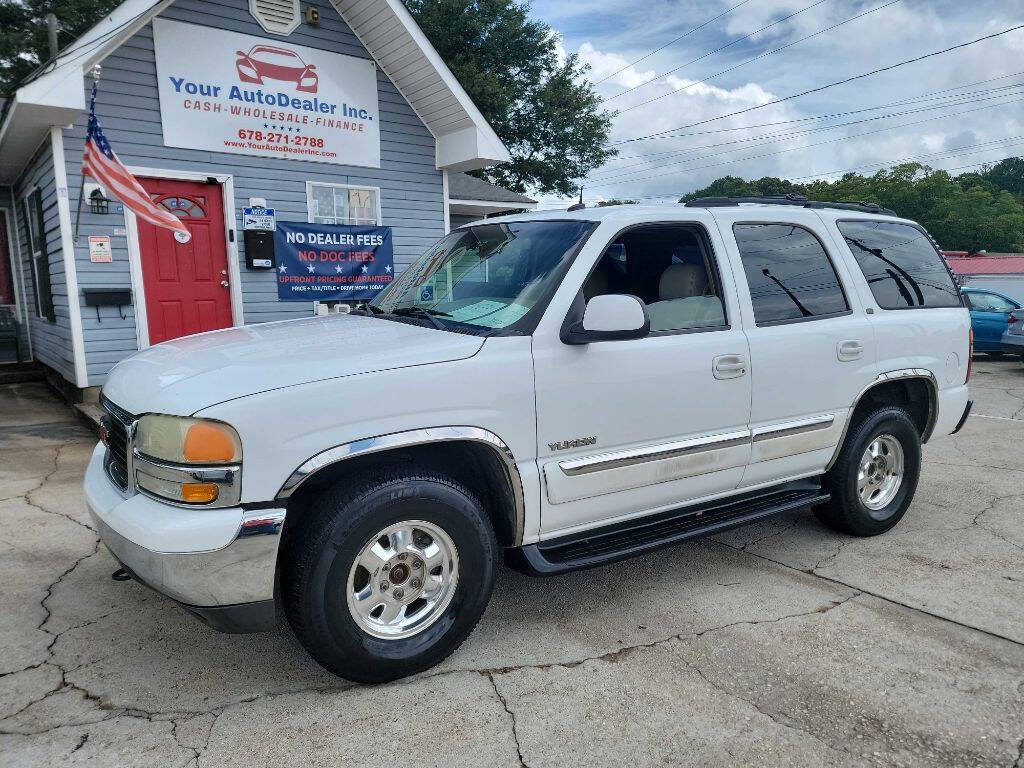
[(781, 643)]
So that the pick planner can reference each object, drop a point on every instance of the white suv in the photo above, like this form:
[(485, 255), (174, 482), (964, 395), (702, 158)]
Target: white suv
[(569, 387)]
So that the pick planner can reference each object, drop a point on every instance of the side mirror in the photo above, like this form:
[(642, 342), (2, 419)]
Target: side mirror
[(610, 317)]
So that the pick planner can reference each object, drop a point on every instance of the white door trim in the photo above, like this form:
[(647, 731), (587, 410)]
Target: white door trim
[(67, 244), (9, 215), (227, 186)]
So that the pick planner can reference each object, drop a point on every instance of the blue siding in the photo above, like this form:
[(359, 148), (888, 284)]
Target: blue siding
[(51, 342), (128, 107)]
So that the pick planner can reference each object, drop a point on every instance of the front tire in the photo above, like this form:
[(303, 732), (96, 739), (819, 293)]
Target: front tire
[(874, 479), (387, 577)]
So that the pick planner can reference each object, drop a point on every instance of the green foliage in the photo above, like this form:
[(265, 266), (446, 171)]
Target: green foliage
[(548, 116), (970, 212), (614, 201), (23, 40)]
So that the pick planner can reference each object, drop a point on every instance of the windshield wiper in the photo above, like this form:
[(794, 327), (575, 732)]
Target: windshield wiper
[(429, 314), (370, 309)]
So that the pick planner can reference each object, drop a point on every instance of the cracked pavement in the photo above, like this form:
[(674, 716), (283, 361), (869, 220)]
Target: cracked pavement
[(781, 643)]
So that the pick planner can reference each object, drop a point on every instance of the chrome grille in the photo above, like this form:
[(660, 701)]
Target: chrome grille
[(118, 422)]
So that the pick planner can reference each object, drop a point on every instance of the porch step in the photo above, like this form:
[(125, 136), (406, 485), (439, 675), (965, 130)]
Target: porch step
[(19, 373), (90, 414)]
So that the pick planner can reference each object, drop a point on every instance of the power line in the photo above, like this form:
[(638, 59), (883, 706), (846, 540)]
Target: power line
[(804, 131), (829, 85), (926, 96), (777, 152), (759, 56), (671, 42), (966, 150), (770, 137), (716, 50)]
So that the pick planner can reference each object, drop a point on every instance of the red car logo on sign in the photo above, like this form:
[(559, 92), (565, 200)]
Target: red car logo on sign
[(265, 61)]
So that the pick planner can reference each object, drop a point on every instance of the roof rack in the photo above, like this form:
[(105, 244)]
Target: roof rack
[(790, 199)]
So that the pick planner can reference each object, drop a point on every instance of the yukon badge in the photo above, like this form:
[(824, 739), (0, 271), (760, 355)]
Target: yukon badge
[(579, 442)]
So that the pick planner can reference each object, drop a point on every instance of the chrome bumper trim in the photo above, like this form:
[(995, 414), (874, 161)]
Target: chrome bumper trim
[(241, 572)]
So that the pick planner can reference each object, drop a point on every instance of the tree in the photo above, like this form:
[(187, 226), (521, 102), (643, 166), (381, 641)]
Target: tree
[(24, 44), (615, 201), (544, 111), (971, 212)]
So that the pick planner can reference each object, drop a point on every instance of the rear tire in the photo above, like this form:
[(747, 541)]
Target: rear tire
[(874, 479), (419, 595)]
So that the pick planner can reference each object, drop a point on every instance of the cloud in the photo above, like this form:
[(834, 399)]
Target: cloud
[(608, 38)]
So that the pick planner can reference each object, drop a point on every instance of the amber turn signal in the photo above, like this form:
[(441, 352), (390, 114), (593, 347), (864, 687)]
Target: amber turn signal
[(206, 442), (198, 493)]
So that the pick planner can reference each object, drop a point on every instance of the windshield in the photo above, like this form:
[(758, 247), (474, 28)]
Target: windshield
[(489, 275)]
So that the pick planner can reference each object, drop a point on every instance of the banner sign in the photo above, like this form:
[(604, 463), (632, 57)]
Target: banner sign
[(227, 92), (332, 262)]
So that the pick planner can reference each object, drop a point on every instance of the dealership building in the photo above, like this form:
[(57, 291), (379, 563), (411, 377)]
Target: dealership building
[(334, 112)]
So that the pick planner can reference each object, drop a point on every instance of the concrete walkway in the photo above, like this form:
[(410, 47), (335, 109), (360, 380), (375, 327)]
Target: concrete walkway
[(780, 644)]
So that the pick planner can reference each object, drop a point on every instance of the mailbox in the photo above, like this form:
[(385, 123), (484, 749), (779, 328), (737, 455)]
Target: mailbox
[(259, 249)]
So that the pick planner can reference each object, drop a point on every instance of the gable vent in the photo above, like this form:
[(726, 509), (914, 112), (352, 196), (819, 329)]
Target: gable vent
[(280, 17)]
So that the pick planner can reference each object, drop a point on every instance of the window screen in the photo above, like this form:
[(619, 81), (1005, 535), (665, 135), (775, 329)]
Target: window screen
[(901, 264), (789, 273), (336, 204)]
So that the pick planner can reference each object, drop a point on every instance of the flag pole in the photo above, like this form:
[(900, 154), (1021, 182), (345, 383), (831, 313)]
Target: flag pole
[(81, 184)]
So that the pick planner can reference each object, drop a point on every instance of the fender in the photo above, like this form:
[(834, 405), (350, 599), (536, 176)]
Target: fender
[(395, 440), (903, 373)]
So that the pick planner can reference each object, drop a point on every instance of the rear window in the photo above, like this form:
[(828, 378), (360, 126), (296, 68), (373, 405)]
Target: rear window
[(788, 272), (901, 264)]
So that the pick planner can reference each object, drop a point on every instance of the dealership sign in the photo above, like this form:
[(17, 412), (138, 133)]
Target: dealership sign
[(225, 92), (332, 262)]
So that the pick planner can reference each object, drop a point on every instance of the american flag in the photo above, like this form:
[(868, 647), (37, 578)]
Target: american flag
[(100, 162)]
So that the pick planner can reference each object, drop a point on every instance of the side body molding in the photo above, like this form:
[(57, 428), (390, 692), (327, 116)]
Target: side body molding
[(417, 437), (903, 373)]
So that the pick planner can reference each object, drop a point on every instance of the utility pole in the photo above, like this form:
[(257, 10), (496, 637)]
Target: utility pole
[(51, 31)]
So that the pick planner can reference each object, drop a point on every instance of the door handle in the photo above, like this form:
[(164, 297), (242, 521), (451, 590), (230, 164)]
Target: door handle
[(849, 350), (224, 283), (729, 366)]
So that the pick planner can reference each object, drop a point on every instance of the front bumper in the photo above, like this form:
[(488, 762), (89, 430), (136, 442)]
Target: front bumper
[(219, 564)]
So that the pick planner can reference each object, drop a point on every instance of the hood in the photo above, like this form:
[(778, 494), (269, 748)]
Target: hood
[(185, 375)]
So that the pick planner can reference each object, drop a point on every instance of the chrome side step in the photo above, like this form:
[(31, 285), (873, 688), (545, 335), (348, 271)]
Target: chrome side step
[(646, 534)]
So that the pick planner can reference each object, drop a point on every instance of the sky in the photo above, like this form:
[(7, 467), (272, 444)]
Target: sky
[(949, 130)]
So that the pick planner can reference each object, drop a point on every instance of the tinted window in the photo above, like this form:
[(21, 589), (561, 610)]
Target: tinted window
[(901, 265), (789, 273)]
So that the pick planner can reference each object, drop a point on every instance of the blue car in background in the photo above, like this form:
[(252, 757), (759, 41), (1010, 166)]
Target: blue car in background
[(991, 315)]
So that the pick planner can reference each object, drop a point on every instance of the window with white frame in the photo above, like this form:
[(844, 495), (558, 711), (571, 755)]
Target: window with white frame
[(36, 237), (343, 204)]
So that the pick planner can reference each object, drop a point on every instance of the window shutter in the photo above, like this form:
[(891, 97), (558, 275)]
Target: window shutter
[(44, 290), (280, 17)]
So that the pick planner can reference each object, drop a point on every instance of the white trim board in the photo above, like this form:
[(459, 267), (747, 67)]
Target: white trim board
[(227, 186), (67, 241)]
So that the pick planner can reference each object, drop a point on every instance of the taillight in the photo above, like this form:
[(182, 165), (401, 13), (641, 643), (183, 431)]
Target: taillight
[(970, 353)]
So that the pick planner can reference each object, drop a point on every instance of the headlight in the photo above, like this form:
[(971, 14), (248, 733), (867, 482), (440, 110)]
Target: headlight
[(187, 441)]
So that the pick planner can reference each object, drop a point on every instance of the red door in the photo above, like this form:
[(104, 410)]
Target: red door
[(186, 284)]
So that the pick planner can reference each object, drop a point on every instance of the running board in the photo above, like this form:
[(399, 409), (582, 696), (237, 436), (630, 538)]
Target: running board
[(646, 534)]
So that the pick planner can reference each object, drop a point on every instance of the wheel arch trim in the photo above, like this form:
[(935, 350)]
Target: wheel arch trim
[(414, 437), (883, 378)]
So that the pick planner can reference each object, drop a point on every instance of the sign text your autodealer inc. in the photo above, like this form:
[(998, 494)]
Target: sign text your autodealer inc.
[(251, 95)]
